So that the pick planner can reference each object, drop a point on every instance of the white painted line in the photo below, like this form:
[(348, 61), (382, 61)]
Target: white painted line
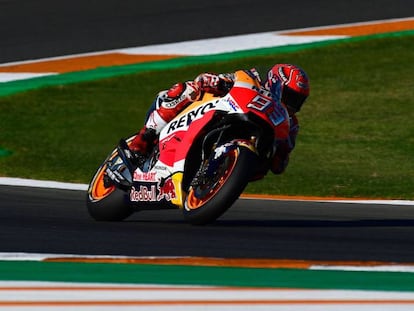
[(380, 268), (226, 44), (12, 76), (215, 293), (379, 202), (9, 256), (7, 181), (350, 201), (194, 294)]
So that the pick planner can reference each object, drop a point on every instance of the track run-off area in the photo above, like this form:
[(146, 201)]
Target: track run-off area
[(32, 281)]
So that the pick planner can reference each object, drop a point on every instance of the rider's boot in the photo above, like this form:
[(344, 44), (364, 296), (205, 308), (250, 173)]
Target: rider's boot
[(142, 144)]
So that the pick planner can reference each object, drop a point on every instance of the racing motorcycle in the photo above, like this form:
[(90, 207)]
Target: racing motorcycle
[(203, 159)]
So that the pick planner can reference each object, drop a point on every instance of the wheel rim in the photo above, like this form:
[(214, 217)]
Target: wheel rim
[(97, 190), (194, 201)]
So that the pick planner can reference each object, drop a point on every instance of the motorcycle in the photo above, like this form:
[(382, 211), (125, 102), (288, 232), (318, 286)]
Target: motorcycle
[(203, 159)]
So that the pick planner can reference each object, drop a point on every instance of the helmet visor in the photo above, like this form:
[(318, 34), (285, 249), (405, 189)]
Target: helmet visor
[(293, 99)]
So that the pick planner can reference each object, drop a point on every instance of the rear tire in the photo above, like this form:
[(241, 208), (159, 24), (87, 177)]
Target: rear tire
[(206, 202)]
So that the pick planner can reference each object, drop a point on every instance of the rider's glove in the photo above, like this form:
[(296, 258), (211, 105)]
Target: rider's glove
[(218, 85), (280, 159)]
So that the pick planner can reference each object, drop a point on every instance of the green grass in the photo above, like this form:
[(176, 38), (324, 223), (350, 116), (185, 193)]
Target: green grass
[(356, 138)]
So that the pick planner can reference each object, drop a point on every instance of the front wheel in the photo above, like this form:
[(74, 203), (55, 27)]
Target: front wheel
[(210, 196), (106, 203)]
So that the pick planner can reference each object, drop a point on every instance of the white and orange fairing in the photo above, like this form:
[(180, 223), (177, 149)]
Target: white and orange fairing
[(176, 138)]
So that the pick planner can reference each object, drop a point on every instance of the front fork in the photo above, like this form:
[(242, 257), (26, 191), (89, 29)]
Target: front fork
[(209, 166)]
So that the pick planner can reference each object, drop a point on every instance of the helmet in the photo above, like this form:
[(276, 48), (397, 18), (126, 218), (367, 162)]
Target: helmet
[(295, 84)]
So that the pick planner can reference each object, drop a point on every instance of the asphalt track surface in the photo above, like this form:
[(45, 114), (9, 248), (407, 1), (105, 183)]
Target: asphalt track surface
[(56, 221), (45, 28)]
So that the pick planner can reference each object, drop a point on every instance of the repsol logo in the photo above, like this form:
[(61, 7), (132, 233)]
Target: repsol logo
[(185, 120)]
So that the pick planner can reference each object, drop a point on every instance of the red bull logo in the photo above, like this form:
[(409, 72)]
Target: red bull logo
[(167, 191), (153, 192)]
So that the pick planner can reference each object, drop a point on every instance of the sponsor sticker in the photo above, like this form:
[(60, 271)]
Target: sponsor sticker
[(153, 191)]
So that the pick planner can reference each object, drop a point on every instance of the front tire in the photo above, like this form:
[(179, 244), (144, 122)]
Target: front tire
[(210, 198), (106, 203)]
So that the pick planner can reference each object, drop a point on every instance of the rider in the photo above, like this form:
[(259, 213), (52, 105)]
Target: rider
[(168, 103)]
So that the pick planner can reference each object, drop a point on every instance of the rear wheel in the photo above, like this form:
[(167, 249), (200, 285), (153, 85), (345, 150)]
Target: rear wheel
[(210, 196)]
